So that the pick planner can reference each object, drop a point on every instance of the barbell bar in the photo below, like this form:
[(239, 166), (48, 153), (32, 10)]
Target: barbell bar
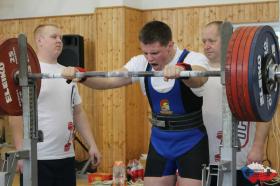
[(273, 74), (251, 72), (126, 74)]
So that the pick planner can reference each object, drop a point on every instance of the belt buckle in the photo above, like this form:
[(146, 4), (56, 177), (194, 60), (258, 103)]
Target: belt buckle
[(158, 123)]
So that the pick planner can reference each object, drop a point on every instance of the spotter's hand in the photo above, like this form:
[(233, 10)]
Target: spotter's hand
[(95, 156), (69, 73)]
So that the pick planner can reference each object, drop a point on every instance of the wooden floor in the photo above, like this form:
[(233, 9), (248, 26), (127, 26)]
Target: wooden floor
[(80, 181)]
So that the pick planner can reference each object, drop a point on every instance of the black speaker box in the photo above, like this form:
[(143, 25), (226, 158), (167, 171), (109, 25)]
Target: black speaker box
[(73, 51)]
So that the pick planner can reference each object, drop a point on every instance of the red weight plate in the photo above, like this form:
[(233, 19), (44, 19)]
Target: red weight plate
[(246, 115), (234, 76), (246, 95), (10, 91), (228, 79)]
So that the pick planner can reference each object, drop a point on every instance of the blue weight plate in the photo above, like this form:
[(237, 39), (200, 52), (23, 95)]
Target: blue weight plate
[(264, 42)]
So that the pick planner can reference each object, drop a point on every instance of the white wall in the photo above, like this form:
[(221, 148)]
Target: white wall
[(148, 4), (35, 8)]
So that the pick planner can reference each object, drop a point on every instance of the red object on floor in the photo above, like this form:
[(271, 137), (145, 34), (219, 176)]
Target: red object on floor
[(262, 176), (99, 177)]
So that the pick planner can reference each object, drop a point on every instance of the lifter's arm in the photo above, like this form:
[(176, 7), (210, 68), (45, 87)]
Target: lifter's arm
[(173, 71), (97, 82)]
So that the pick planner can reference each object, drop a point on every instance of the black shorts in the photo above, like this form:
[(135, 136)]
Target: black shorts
[(189, 165), (57, 172)]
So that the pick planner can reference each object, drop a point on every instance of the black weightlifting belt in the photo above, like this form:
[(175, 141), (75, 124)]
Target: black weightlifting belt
[(177, 122)]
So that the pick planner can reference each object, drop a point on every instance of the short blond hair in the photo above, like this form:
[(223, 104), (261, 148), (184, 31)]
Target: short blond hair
[(38, 30)]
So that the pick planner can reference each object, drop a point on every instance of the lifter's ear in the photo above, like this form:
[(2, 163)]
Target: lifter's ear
[(170, 45)]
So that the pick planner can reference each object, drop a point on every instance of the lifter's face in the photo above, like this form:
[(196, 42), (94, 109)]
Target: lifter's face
[(157, 55), (212, 43)]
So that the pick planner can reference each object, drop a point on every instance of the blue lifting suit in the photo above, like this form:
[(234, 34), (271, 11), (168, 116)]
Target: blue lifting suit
[(177, 130)]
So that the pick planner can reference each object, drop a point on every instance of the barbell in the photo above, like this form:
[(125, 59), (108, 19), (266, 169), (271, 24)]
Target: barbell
[(127, 74), (251, 73)]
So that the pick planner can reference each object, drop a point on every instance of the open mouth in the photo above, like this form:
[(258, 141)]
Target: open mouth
[(154, 65)]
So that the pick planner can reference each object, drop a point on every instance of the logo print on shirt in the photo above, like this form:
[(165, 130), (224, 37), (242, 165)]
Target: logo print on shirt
[(70, 127), (164, 107), (219, 136), (243, 130)]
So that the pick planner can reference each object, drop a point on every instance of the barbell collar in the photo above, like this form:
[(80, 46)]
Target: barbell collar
[(277, 75)]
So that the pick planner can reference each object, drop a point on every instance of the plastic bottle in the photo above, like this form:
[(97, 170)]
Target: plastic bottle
[(119, 174)]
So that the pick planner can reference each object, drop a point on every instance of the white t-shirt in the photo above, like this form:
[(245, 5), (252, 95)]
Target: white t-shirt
[(139, 63), (55, 115), (212, 116)]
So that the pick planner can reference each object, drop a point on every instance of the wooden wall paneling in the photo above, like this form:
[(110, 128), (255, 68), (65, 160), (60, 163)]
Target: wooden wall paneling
[(107, 114), (246, 14), (187, 31), (195, 43), (101, 45), (224, 13), (110, 54), (90, 100), (102, 58), (146, 15), (200, 20), (5, 29), (273, 10), (250, 12), (98, 101), (118, 95), (177, 20), (136, 117), (236, 13), (261, 11), (170, 16)]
